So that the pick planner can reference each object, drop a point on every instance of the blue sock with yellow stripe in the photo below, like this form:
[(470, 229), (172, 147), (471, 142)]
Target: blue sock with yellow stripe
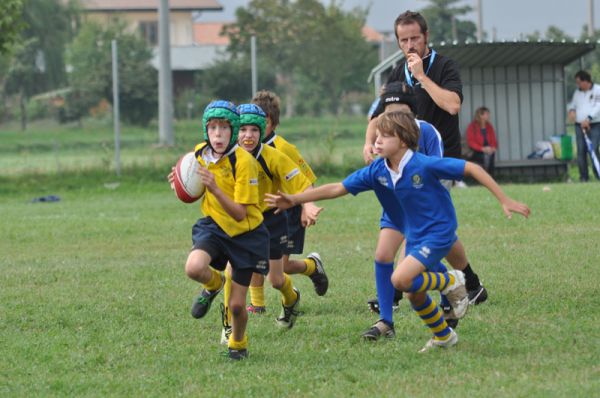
[(433, 318), (431, 281), (385, 290)]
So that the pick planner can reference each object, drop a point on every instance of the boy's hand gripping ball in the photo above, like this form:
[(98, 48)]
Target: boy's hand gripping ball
[(187, 182)]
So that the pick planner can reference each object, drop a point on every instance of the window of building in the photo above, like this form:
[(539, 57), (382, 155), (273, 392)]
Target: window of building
[(149, 31)]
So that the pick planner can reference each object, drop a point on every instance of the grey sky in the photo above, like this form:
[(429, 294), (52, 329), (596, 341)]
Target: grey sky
[(510, 18)]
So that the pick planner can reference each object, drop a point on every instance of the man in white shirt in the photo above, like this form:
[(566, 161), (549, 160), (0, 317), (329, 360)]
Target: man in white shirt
[(584, 110)]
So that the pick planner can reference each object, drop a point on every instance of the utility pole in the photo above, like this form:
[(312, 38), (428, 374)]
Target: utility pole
[(454, 31), (591, 29), (253, 64), (116, 107), (165, 78), (479, 21)]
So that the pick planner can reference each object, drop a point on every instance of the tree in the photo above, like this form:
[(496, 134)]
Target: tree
[(10, 23), (91, 78), (50, 23), (444, 23), (336, 59), (315, 52), (22, 75), (36, 63), (231, 78)]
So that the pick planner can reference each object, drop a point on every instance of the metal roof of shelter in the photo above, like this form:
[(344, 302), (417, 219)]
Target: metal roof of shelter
[(514, 53)]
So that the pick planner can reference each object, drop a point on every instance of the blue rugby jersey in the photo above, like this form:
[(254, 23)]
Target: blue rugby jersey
[(418, 201), (430, 140), (431, 144)]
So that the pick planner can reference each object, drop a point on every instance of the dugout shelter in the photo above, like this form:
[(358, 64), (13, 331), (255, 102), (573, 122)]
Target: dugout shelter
[(522, 83)]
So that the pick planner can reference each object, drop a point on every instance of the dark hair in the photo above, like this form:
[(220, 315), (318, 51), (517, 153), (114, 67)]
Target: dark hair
[(401, 124), (399, 93), (409, 17), (583, 76), (269, 103)]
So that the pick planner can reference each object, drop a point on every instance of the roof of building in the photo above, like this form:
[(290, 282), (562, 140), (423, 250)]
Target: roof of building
[(191, 57), (210, 33), (371, 34), (481, 54), (149, 5)]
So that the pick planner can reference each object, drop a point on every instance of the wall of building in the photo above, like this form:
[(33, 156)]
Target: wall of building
[(526, 104), (181, 32)]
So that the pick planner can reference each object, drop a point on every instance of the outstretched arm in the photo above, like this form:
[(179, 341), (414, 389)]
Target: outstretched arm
[(509, 205), (284, 201)]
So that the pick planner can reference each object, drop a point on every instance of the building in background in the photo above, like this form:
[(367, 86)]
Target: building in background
[(194, 46)]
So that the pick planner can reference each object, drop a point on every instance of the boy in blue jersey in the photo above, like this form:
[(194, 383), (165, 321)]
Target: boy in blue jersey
[(276, 172), (397, 97), (400, 97), (232, 229), (407, 184)]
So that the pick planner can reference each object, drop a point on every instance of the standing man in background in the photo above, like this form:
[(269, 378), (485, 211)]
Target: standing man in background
[(435, 79), (584, 110)]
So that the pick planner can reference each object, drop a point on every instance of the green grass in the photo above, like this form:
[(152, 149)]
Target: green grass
[(94, 300), (95, 303), (49, 148)]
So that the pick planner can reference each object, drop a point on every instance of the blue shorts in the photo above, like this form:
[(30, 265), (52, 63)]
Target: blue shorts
[(277, 225), (386, 222), (296, 232), (248, 251), (430, 253)]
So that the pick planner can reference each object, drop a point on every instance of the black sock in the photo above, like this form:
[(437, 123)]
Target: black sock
[(471, 278), (397, 295)]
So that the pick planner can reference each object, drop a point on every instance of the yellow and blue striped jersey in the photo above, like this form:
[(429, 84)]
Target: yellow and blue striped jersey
[(293, 153), (236, 174), (276, 171)]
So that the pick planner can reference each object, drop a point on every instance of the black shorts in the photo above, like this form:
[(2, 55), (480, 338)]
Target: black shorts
[(296, 232), (248, 251), (277, 225)]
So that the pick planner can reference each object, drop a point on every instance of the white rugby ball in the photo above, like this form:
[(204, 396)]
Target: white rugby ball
[(187, 182)]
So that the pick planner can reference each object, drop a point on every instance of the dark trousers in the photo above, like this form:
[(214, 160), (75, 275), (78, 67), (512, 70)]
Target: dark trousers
[(582, 150), (484, 160)]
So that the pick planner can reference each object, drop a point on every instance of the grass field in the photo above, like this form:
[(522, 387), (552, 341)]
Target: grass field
[(94, 300)]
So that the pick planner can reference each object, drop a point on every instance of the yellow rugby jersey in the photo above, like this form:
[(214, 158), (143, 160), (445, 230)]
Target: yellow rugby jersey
[(236, 174), (293, 153), (276, 171)]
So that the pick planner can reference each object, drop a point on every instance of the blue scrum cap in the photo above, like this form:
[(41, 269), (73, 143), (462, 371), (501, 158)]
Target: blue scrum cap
[(253, 114)]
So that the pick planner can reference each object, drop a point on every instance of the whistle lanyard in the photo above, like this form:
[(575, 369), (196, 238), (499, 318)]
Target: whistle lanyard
[(408, 75)]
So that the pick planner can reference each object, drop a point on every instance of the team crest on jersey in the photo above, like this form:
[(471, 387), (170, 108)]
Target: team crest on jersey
[(417, 181), (383, 180), (253, 181)]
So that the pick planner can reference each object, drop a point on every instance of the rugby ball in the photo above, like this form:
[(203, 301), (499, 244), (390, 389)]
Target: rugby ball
[(187, 182)]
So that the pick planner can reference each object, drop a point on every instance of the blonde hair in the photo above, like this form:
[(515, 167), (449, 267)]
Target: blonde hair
[(270, 104), (402, 124)]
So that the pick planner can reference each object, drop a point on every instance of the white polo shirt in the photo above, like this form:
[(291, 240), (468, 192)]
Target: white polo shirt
[(586, 104)]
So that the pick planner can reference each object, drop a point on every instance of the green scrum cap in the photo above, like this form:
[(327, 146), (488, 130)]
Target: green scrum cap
[(221, 109), (253, 114)]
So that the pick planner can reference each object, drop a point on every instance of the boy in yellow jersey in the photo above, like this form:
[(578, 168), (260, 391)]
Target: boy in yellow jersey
[(299, 217), (232, 229), (276, 172)]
